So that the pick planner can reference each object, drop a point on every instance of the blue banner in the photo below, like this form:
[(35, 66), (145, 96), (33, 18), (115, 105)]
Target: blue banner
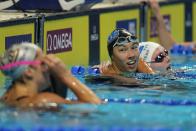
[(49, 5), (130, 25), (9, 41)]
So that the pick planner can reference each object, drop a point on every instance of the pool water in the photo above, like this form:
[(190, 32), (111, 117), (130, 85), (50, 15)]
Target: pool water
[(172, 107)]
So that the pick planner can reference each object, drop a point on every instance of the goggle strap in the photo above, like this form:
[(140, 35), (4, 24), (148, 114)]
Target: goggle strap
[(19, 63)]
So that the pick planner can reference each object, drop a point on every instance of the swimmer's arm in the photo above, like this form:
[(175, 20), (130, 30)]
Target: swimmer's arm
[(47, 97), (43, 100), (143, 67), (104, 67), (58, 70), (165, 37), (83, 93), (107, 68)]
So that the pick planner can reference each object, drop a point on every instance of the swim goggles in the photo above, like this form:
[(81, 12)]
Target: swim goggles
[(124, 40), (19, 63), (160, 57), (121, 40)]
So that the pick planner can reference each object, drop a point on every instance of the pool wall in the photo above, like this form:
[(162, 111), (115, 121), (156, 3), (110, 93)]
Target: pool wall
[(80, 37)]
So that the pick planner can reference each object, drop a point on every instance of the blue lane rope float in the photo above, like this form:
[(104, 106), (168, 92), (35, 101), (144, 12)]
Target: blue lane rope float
[(78, 70), (96, 128), (81, 70), (181, 50), (185, 75), (93, 71), (169, 102)]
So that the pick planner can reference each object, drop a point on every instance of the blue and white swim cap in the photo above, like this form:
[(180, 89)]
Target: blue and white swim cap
[(115, 35), (147, 50), (17, 53)]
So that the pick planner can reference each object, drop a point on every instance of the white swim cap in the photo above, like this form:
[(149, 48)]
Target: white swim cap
[(17, 53), (147, 49)]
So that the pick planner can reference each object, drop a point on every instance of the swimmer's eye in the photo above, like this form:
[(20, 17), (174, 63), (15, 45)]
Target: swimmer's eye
[(160, 57), (123, 49), (135, 46)]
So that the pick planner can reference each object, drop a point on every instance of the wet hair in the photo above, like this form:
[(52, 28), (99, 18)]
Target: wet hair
[(119, 32), (10, 61)]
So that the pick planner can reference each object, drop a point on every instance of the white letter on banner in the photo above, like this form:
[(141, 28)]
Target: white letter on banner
[(63, 41), (49, 40), (58, 41), (70, 40), (54, 42), (66, 37)]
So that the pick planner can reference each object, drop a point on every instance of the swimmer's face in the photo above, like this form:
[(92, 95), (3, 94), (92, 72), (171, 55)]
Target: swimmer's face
[(125, 57), (160, 60)]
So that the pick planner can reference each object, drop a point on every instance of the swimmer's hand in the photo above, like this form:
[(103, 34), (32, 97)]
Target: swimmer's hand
[(154, 6), (56, 66), (103, 66)]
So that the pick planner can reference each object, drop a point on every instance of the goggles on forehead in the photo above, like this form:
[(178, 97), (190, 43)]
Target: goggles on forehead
[(160, 57), (124, 40), (118, 40), (19, 63)]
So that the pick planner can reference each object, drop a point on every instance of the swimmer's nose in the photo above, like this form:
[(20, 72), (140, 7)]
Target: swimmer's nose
[(131, 53)]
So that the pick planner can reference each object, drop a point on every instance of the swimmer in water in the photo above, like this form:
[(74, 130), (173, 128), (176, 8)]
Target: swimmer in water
[(30, 71), (165, 38), (124, 53), (155, 55)]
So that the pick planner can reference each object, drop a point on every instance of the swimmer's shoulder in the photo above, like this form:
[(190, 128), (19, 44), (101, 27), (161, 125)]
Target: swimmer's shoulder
[(48, 97), (143, 67)]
